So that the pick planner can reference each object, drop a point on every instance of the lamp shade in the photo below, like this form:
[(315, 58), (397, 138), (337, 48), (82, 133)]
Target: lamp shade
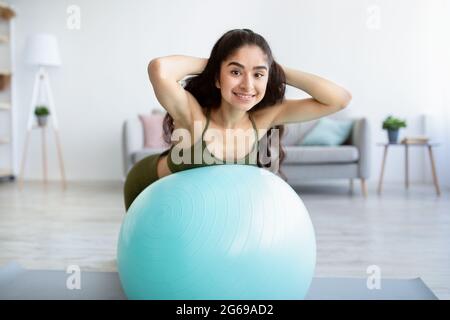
[(42, 50)]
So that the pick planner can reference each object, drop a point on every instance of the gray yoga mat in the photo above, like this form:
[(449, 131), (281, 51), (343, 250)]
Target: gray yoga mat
[(19, 283)]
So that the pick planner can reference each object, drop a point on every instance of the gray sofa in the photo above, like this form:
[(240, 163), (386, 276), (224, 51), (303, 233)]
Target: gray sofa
[(302, 163)]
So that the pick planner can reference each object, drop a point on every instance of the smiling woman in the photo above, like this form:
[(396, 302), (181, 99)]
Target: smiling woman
[(239, 87), (239, 78)]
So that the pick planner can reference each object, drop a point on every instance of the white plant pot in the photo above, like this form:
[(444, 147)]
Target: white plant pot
[(42, 120)]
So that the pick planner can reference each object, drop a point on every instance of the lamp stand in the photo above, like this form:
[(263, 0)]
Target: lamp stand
[(42, 78)]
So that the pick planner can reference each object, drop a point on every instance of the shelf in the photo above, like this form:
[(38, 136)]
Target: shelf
[(4, 172), (5, 106), (6, 12)]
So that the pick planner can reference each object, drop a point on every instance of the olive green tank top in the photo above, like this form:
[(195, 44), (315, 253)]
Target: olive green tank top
[(198, 154)]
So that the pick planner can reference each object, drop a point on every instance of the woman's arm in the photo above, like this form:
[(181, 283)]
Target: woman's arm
[(322, 90), (176, 67), (327, 98), (164, 75)]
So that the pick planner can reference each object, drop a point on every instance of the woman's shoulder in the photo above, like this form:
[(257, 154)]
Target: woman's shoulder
[(264, 118), (198, 112)]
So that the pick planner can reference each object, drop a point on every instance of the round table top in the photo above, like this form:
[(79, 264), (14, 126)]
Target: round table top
[(427, 144)]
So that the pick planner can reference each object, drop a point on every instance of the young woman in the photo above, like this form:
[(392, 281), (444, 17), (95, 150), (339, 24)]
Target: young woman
[(239, 88)]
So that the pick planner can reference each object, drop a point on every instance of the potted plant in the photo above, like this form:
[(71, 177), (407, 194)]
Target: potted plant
[(392, 125), (42, 114)]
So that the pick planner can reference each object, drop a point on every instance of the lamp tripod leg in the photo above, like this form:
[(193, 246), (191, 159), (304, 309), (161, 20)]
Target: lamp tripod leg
[(55, 128), (61, 162), (44, 156), (24, 159)]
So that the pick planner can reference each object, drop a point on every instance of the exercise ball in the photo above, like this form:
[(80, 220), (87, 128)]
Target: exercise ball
[(217, 232)]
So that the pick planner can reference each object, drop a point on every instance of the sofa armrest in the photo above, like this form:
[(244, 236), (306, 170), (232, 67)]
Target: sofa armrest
[(132, 141), (361, 140)]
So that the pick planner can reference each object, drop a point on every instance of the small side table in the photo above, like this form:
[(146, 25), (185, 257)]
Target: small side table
[(406, 146), (44, 156)]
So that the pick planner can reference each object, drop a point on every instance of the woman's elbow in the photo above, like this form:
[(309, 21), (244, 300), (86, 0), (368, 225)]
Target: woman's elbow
[(345, 99), (154, 66)]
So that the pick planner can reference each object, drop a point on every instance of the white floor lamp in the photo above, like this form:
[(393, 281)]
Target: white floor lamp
[(42, 51)]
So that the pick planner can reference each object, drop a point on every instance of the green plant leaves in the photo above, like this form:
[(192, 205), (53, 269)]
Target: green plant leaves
[(392, 123), (41, 111)]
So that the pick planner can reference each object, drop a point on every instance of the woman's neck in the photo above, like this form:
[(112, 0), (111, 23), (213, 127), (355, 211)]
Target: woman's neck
[(229, 118)]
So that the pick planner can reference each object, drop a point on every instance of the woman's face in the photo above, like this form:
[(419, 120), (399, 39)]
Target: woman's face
[(246, 73)]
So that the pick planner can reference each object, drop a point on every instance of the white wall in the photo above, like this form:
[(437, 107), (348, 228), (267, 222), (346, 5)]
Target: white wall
[(384, 52)]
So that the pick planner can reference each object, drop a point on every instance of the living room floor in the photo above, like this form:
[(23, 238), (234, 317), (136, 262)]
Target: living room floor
[(405, 233)]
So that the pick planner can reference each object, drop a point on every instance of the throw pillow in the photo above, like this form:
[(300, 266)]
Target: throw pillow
[(153, 130), (329, 132), (294, 133)]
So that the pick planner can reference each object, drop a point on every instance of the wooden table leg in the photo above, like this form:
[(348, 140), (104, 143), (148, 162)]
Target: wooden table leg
[(380, 183), (364, 187), (406, 167), (433, 169)]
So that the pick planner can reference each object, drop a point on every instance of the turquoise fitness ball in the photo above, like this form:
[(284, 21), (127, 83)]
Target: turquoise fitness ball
[(217, 232)]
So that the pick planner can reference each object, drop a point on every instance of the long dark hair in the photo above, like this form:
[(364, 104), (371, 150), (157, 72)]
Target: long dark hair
[(203, 88)]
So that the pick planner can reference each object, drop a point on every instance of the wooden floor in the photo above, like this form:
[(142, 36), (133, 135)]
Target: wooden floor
[(405, 233)]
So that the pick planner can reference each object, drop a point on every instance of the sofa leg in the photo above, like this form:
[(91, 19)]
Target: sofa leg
[(364, 187)]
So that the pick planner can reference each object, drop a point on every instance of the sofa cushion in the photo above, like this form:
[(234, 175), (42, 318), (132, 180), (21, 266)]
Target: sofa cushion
[(153, 130), (328, 132), (294, 133), (320, 154)]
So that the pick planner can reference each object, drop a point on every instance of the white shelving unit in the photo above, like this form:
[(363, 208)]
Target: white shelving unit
[(7, 169)]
